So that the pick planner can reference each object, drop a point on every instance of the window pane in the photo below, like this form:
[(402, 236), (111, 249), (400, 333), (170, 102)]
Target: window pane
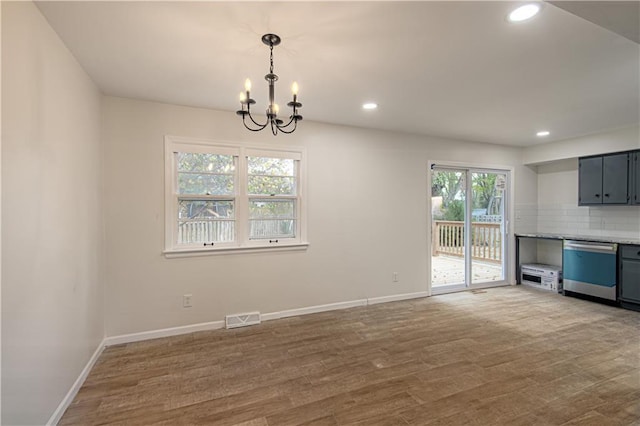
[(272, 228), (204, 184), (271, 166), (206, 231), (205, 174), (272, 185), (271, 176), (205, 209), (272, 219), (271, 209), (205, 163), (205, 221)]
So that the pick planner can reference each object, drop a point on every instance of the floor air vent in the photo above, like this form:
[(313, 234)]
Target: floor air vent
[(242, 320)]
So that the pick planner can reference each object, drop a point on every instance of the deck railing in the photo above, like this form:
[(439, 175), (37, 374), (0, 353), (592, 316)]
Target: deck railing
[(205, 231), (486, 240), (198, 231)]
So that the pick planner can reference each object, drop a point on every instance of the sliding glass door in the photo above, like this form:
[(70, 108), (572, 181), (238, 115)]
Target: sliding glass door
[(487, 227), (468, 227), (448, 212)]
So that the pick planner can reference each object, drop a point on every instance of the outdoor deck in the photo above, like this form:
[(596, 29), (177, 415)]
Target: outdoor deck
[(450, 270)]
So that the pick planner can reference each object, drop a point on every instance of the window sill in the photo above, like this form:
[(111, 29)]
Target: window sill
[(192, 252)]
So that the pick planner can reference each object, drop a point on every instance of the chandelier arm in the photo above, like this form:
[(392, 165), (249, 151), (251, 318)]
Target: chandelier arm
[(249, 128), (260, 126), (285, 131), (284, 126), (274, 127)]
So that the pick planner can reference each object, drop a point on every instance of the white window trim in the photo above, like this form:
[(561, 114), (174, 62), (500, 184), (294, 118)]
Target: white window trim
[(242, 243)]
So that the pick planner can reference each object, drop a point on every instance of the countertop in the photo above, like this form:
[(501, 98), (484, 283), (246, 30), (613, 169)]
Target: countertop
[(618, 240)]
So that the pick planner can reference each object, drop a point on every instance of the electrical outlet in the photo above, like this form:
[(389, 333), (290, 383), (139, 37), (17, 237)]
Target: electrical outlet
[(186, 301), (394, 277)]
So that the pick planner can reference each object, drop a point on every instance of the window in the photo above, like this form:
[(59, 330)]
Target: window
[(205, 197), (231, 197), (272, 197)]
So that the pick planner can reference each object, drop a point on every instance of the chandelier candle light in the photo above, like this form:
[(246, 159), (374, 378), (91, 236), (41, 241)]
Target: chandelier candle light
[(273, 109)]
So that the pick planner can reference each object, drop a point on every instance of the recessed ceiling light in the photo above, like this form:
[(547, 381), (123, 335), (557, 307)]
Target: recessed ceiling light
[(370, 105), (543, 133), (523, 13)]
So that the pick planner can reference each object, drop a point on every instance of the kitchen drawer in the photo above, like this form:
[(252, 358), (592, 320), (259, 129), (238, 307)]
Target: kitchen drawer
[(631, 252)]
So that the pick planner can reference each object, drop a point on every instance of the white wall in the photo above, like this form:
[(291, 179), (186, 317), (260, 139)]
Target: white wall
[(367, 218), (52, 292), (625, 139), (0, 221)]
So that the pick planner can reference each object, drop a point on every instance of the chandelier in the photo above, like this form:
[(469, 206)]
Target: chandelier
[(273, 110)]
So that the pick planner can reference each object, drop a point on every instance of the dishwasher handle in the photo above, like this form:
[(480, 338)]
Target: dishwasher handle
[(590, 246)]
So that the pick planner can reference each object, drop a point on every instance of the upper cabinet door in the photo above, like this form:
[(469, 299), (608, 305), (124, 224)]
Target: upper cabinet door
[(615, 179), (590, 181), (635, 196)]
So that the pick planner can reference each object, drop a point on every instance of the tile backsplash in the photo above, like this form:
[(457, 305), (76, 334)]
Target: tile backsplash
[(526, 217), (569, 219)]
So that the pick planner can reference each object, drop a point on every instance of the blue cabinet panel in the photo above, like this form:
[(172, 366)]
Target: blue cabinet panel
[(588, 267)]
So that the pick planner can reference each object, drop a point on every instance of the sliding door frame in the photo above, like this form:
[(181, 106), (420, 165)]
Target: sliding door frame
[(507, 224)]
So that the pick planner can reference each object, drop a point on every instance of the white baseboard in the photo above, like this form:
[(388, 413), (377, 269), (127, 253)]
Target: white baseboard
[(175, 331), (68, 399), (164, 332), (314, 309), (397, 297)]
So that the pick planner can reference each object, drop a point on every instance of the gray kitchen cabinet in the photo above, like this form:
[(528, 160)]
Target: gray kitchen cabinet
[(615, 179), (590, 180), (604, 179), (629, 277), (635, 175)]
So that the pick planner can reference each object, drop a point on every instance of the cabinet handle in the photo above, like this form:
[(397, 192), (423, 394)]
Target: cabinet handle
[(597, 195), (606, 195)]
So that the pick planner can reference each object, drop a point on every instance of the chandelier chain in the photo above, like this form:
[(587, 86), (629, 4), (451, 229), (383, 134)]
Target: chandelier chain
[(271, 60)]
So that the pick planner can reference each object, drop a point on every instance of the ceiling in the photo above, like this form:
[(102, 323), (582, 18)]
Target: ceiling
[(451, 69), (622, 17)]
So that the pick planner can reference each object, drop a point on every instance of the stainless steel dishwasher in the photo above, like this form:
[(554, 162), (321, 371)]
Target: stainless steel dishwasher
[(590, 268)]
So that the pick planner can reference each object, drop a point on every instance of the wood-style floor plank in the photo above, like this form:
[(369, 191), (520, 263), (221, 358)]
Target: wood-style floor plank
[(508, 355)]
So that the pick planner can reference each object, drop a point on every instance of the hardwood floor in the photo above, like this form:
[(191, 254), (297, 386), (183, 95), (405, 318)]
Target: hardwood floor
[(509, 355)]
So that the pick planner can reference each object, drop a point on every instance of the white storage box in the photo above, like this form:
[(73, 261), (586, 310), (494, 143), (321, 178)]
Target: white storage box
[(545, 277)]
